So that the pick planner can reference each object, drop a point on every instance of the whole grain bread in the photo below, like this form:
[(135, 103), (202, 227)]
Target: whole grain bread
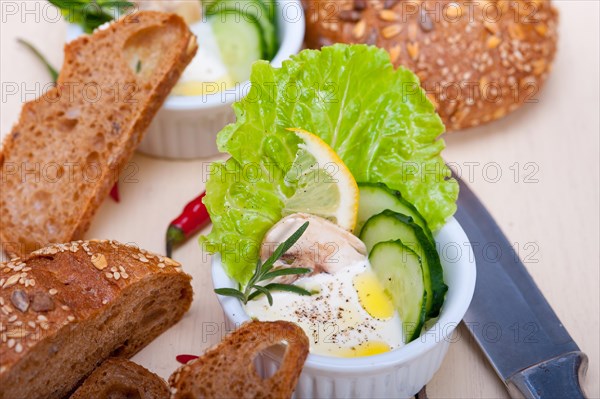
[(119, 378), (66, 308), (477, 60), (66, 151), (228, 370)]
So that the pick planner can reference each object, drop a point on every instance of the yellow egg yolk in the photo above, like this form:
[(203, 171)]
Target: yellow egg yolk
[(366, 349), (197, 88), (372, 296)]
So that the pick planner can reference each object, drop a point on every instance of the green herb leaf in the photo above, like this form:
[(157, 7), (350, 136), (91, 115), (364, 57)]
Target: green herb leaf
[(265, 291), (90, 14), (262, 272), (119, 5), (283, 248), (231, 292), (254, 295), (288, 287), (51, 70), (256, 275), (286, 271)]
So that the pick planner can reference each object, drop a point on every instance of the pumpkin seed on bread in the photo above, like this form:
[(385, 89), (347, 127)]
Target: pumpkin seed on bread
[(66, 308)]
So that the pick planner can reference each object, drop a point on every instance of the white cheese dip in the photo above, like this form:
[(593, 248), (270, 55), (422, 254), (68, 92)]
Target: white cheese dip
[(350, 315), (206, 73)]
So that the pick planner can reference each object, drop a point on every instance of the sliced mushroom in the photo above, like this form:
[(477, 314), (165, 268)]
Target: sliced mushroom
[(324, 246)]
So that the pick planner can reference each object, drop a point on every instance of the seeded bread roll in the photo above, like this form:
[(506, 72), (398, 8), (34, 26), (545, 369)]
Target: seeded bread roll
[(477, 60), (66, 151), (228, 371), (66, 308), (122, 379)]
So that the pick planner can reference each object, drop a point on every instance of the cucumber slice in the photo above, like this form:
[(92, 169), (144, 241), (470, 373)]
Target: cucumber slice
[(400, 270), (390, 225), (271, 11), (271, 8), (376, 197), (256, 9), (240, 42)]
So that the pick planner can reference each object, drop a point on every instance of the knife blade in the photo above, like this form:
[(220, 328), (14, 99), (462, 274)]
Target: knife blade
[(528, 346)]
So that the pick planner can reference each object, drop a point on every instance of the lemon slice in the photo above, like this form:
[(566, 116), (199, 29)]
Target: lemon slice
[(325, 186)]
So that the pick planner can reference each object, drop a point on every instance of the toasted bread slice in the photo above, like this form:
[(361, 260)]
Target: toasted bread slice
[(122, 379), (228, 371), (68, 147), (66, 308)]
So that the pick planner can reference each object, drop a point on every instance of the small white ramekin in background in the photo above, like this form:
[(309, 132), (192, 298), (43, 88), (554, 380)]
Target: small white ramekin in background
[(186, 127), (397, 374)]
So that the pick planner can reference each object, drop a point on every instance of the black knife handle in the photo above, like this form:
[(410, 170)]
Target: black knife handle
[(555, 378)]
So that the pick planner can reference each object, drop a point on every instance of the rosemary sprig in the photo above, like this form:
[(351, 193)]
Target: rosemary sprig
[(90, 14), (51, 70), (265, 272)]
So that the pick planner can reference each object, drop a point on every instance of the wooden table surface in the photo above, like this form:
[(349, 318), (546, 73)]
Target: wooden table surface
[(546, 198)]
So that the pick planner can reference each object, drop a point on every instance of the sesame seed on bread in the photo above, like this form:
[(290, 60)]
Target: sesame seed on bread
[(477, 61), (74, 305), (66, 151)]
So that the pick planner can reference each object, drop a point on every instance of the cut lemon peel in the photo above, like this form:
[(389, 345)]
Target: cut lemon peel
[(326, 185)]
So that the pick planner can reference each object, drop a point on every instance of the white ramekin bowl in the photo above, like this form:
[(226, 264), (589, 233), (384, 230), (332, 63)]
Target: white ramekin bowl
[(397, 374), (186, 127)]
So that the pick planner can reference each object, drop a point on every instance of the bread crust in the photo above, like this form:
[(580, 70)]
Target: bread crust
[(228, 371), (73, 305), (477, 60), (120, 378), (66, 151)]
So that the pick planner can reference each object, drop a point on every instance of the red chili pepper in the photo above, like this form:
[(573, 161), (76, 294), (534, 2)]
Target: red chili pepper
[(184, 359), (192, 219), (114, 193)]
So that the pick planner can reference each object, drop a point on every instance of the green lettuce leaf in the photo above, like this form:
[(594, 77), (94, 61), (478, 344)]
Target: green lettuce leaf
[(375, 117)]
